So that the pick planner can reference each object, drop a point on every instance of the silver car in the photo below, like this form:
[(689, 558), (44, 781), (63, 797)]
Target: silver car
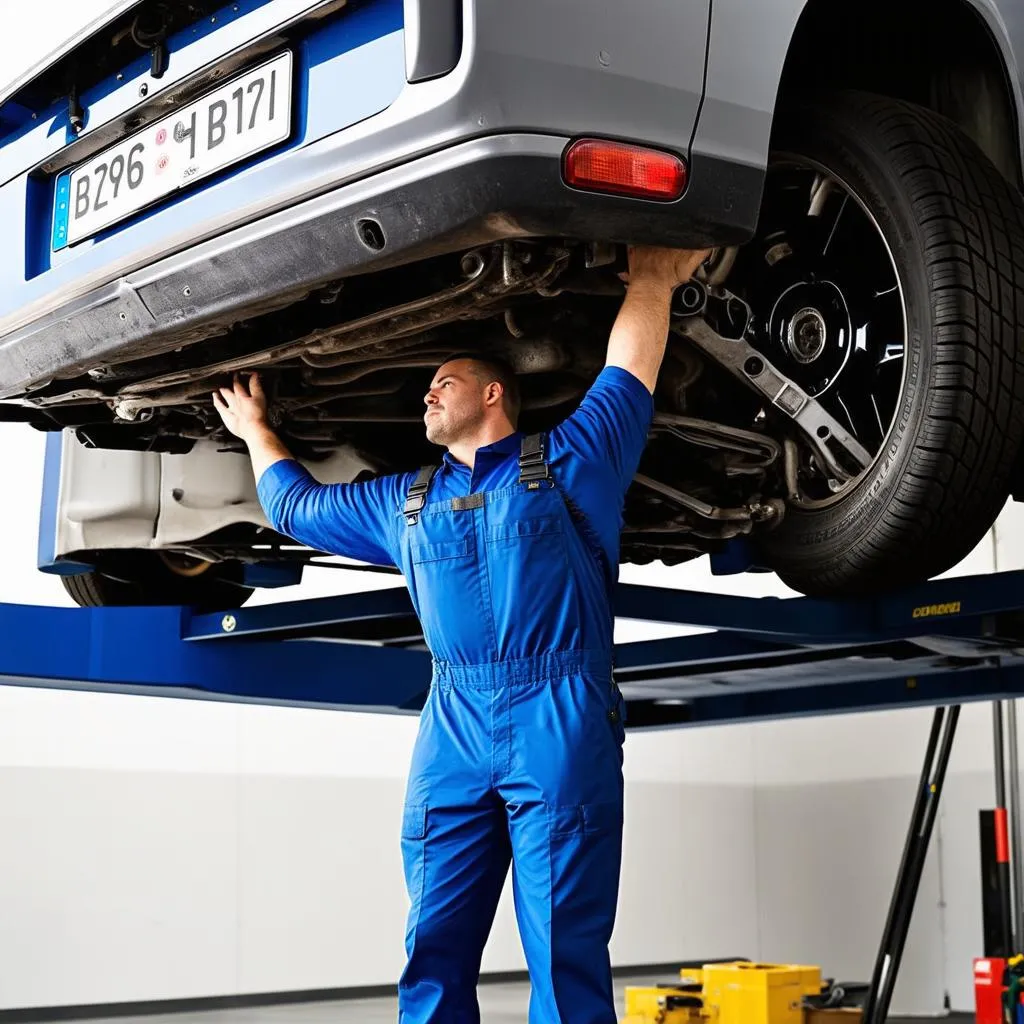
[(337, 194)]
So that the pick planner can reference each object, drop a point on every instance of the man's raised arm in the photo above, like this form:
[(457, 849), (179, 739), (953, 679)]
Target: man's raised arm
[(638, 339), (353, 520), (611, 423)]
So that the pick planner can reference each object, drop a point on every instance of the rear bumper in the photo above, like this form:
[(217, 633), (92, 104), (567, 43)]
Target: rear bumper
[(490, 188)]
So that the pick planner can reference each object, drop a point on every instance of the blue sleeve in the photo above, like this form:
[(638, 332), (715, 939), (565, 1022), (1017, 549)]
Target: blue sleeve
[(353, 520), (611, 423)]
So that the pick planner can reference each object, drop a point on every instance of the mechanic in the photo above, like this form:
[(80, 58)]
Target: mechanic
[(510, 551)]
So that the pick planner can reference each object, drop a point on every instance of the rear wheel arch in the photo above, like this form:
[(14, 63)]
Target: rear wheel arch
[(949, 56)]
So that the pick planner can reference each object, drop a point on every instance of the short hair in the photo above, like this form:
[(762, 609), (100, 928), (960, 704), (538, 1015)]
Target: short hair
[(490, 368)]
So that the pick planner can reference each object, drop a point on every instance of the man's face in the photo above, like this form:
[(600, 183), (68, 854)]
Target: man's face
[(455, 403)]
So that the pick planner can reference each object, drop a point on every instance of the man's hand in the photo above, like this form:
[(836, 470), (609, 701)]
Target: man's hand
[(638, 339), (243, 409), (244, 412), (663, 267)]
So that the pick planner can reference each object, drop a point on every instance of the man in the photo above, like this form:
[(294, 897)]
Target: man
[(510, 552)]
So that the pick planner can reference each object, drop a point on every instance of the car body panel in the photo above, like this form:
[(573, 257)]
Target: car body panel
[(100, 500), (520, 68), (1004, 20), (48, 142)]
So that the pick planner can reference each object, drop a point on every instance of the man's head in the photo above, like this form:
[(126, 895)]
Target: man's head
[(469, 393)]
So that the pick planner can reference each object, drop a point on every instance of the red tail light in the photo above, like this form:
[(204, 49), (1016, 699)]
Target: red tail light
[(622, 169)]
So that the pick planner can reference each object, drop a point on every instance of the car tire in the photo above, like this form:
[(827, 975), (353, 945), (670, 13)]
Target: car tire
[(954, 227), (141, 578)]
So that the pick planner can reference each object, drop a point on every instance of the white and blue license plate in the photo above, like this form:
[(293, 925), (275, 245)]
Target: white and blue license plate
[(242, 117)]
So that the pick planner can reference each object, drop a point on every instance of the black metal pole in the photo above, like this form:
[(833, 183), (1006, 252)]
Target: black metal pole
[(999, 756), (1016, 857), (1002, 835), (908, 878)]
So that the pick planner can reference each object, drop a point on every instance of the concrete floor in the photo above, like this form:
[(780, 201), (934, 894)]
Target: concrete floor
[(500, 1003)]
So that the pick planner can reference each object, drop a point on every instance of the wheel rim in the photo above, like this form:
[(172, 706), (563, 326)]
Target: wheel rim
[(829, 310), (184, 565)]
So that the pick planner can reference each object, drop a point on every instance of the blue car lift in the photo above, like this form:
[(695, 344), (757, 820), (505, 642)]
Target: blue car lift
[(940, 645)]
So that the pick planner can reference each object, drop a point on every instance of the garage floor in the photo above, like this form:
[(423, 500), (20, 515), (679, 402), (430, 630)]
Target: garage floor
[(500, 1003)]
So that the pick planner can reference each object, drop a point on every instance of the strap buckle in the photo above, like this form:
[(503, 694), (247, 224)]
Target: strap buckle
[(417, 496), (533, 467)]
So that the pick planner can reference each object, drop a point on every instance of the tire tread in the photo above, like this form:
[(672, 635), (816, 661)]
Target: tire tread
[(971, 221)]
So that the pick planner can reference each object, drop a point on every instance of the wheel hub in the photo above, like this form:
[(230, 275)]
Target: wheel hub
[(810, 334), (805, 337)]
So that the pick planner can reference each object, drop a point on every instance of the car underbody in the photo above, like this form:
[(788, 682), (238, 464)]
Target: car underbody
[(734, 438)]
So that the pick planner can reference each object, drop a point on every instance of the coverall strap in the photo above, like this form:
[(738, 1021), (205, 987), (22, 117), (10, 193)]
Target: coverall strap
[(417, 496), (533, 466)]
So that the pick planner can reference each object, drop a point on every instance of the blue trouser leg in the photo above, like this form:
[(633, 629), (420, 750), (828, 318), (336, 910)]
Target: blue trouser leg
[(455, 849), (531, 769), (565, 883), (564, 791)]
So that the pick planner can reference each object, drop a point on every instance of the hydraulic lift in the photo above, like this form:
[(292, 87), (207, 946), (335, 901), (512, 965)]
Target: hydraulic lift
[(939, 645)]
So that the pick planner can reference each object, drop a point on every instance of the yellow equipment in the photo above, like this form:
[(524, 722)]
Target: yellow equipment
[(746, 993), (693, 973), (662, 1004), (732, 992)]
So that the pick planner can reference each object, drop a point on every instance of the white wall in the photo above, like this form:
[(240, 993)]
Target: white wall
[(158, 848)]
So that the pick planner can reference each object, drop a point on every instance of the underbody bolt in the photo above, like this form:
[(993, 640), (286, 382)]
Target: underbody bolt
[(471, 263)]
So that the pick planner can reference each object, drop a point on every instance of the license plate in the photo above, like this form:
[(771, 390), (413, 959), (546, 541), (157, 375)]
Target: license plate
[(236, 120)]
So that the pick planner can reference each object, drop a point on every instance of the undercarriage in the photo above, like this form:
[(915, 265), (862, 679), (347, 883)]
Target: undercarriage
[(348, 367)]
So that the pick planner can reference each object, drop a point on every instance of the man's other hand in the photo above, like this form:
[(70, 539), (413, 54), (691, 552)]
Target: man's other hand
[(242, 407)]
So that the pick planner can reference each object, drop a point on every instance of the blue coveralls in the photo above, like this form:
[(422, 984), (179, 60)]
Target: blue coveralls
[(519, 750)]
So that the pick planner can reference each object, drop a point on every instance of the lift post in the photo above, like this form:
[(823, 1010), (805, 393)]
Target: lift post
[(908, 878), (939, 645)]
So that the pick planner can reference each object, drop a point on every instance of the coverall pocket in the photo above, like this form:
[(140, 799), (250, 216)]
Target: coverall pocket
[(414, 848), (536, 526), (534, 604), (440, 551), (565, 821), (584, 819), (445, 580), (414, 821)]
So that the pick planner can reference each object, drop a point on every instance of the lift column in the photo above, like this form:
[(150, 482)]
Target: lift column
[(901, 908)]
